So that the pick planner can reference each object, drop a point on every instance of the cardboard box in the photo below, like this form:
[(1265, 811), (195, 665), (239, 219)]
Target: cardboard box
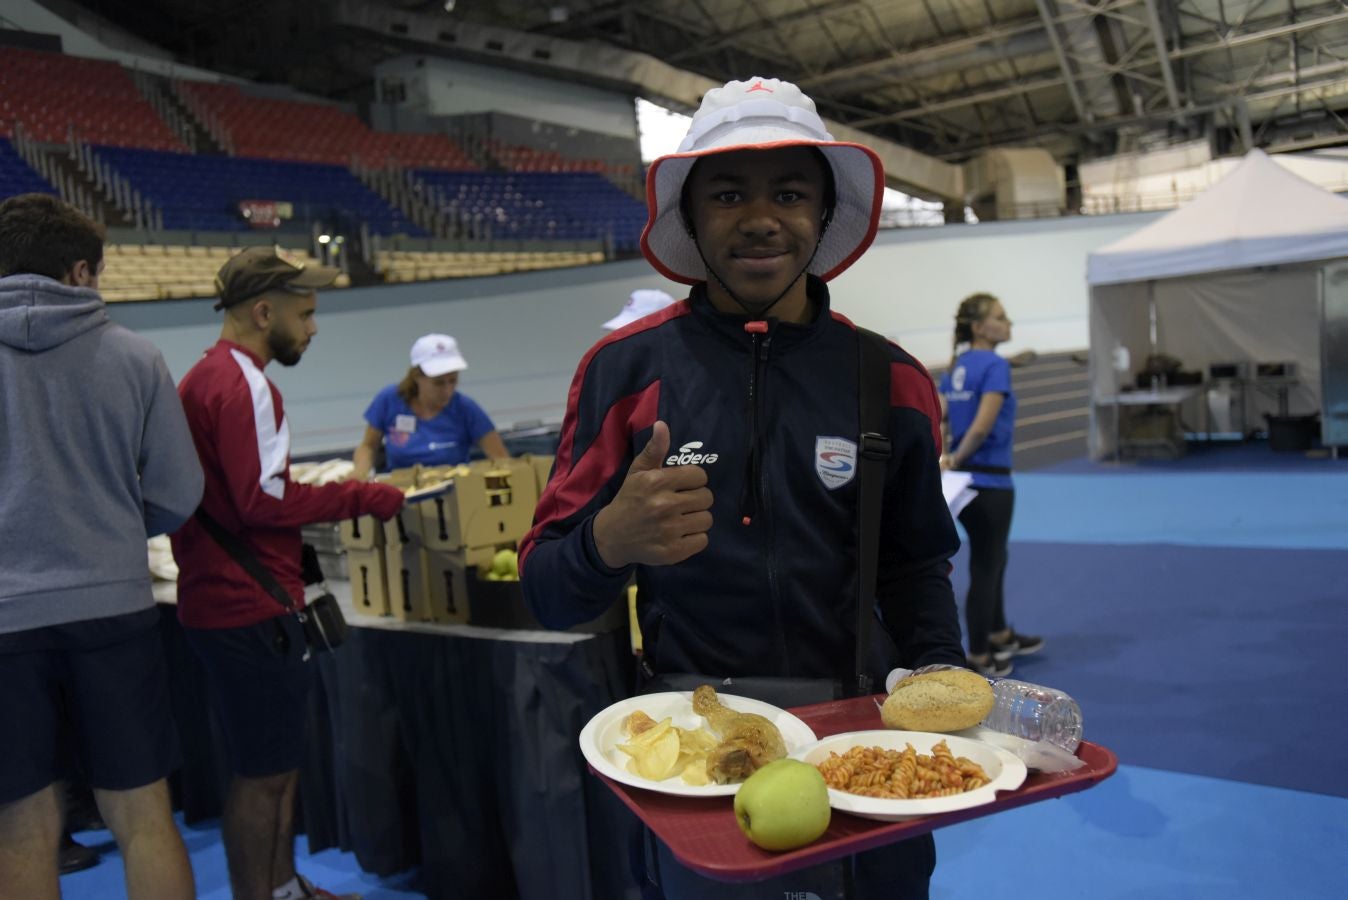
[(460, 576), (362, 533), (404, 528), (365, 532), (368, 574), (447, 575), (408, 596), (542, 465), (489, 505), (428, 475)]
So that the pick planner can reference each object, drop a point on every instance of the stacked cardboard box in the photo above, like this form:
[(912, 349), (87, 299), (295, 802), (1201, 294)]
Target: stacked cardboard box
[(431, 563), (367, 569), (433, 548), (405, 564), (489, 507)]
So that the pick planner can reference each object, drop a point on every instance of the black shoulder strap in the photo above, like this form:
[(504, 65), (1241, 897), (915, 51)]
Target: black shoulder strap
[(873, 452), (246, 559)]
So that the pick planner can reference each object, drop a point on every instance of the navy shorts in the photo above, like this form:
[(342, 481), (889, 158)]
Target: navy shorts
[(98, 688), (259, 683)]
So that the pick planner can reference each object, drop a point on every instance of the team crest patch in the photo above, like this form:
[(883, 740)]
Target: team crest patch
[(835, 461)]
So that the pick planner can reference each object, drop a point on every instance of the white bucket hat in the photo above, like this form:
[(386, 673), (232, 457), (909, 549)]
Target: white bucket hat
[(437, 354), (642, 303), (762, 114)]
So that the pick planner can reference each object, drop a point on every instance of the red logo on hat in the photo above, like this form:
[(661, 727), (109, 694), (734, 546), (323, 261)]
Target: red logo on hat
[(759, 86)]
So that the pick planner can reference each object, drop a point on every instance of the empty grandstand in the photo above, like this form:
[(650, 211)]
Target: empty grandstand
[(310, 132), (184, 172), (60, 98), (204, 193), (537, 206)]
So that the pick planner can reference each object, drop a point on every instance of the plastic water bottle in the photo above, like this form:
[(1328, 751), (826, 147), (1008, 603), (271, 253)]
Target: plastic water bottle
[(1035, 713)]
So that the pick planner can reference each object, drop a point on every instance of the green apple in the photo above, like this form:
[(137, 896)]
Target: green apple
[(506, 564), (783, 805)]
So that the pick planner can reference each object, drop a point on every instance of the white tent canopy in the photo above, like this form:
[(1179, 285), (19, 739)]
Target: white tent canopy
[(1259, 214), (1233, 276)]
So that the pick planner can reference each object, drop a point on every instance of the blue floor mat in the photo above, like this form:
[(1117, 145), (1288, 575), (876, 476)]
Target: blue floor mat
[(1217, 456), (331, 869), (1150, 835), (1294, 510), (1140, 835), (1215, 661)]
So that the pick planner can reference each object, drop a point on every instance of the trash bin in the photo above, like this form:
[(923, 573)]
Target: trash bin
[(1292, 433), (1220, 408)]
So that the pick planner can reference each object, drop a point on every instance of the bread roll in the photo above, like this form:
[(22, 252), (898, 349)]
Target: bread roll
[(949, 700)]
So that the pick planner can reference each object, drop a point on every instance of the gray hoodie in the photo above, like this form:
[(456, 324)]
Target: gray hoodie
[(95, 456)]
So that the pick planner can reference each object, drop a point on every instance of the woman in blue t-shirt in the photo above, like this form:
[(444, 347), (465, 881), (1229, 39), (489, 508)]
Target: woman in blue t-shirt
[(423, 419), (980, 420)]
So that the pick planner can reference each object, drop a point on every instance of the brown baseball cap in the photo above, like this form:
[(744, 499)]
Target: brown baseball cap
[(260, 269)]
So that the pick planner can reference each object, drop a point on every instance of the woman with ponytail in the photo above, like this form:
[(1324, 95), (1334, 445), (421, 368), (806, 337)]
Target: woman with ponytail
[(980, 415)]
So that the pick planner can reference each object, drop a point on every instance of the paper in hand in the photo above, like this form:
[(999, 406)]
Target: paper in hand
[(958, 490)]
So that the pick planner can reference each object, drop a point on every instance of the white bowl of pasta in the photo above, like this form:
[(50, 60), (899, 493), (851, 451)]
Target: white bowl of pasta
[(895, 775)]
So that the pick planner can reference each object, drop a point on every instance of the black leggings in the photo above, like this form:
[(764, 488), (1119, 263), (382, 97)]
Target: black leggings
[(987, 519)]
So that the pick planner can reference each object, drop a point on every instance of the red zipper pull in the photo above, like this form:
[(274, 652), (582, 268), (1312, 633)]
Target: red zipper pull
[(758, 326)]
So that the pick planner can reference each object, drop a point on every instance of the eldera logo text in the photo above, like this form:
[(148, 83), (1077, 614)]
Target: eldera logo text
[(689, 455)]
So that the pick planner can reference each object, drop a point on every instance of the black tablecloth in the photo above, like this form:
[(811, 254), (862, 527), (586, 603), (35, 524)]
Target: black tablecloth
[(455, 754)]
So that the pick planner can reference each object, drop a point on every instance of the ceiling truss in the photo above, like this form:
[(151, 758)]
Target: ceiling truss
[(948, 78)]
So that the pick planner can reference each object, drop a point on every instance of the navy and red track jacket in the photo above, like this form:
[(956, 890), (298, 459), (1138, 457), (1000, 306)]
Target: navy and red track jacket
[(775, 597)]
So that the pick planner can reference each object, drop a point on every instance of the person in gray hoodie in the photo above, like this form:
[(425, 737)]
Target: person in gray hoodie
[(96, 456)]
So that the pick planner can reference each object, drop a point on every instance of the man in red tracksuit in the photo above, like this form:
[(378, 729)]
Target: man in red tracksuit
[(253, 649)]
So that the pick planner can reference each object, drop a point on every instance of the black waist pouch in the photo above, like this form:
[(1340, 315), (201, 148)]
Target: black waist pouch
[(323, 623)]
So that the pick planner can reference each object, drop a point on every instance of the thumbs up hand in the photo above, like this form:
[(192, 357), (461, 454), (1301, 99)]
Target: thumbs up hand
[(660, 516), (652, 456)]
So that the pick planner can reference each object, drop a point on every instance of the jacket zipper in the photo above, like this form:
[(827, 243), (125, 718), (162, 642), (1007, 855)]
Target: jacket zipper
[(765, 504), (749, 491)]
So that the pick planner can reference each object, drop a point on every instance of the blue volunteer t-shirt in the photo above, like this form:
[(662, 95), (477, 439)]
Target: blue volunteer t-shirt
[(975, 373), (442, 441)]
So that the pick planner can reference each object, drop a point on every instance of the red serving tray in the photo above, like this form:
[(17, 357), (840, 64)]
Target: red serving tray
[(703, 835)]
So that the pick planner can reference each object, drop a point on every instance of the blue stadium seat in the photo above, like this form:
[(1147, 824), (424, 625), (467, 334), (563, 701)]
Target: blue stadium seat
[(16, 177), (203, 192), (542, 205)]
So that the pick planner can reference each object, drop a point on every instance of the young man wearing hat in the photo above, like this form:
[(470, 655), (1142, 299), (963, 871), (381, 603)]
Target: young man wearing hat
[(424, 419), (252, 648), (96, 457), (712, 448)]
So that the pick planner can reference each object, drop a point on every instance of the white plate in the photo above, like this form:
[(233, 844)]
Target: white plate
[(1005, 772), (600, 738)]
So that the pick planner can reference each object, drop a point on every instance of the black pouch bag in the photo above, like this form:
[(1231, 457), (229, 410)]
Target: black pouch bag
[(323, 623), (322, 619)]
